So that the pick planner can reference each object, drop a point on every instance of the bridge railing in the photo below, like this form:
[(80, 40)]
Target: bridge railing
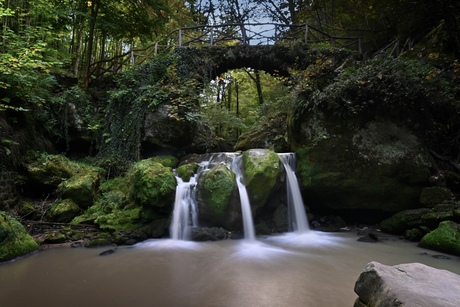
[(224, 35)]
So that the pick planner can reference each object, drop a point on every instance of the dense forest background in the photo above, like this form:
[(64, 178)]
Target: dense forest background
[(56, 52)]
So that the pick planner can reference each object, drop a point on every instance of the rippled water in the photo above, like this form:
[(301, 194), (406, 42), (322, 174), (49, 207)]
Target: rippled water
[(314, 269)]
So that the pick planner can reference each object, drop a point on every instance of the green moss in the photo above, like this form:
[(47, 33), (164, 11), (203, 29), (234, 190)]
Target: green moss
[(445, 238), (14, 239), (186, 171), (63, 211), (402, 221), (219, 185), (152, 184), (166, 160), (127, 219), (50, 169), (262, 169), (81, 188)]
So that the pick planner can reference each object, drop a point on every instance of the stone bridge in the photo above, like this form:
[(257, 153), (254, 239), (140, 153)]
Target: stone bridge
[(214, 49)]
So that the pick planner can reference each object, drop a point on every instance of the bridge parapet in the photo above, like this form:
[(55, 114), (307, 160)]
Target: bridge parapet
[(225, 35)]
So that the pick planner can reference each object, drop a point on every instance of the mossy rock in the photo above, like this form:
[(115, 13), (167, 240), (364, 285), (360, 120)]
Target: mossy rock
[(28, 211), (81, 188), (165, 160), (63, 211), (445, 238), (414, 234), (262, 169), (376, 168), (433, 218), (51, 169), (219, 185), (14, 239), (186, 171), (402, 221), (218, 199), (152, 184), (127, 219), (432, 196)]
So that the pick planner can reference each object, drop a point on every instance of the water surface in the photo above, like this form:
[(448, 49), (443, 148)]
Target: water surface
[(313, 269)]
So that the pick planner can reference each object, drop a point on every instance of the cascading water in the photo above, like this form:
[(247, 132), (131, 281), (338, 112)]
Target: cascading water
[(249, 232), (299, 220), (185, 210), (185, 213)]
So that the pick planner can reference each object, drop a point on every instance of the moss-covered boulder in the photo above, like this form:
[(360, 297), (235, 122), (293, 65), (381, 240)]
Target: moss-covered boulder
[(186, 171), (402, 221), (262, 169), (445, 238), (166, 160), (63, 211), (432, 196), (81, 187), (14, 239), (218, 198), (363, 171), (152, 184), (50, 169), (440, 213)]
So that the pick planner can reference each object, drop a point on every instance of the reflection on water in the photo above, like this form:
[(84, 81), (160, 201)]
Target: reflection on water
[(314, 269)]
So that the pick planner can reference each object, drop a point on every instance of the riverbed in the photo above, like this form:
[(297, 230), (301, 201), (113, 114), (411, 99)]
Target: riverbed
[(315, 269)]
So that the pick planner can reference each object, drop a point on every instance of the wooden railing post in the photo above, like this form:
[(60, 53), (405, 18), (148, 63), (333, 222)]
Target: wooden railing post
[(211, 40), (306, 33)]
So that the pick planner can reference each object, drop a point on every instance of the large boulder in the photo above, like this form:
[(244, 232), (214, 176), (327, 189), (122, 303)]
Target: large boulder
[(14, 239), (152, 184), (445, 238), (411, 284), (262, 170), (218, 199), (377, 169), (63, 211), (81, 187)]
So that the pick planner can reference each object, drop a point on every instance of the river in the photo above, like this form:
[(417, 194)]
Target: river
[(314, 269)]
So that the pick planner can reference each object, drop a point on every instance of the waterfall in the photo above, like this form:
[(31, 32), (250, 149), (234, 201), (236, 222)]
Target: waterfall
[(249, 232), (185, 212), (296, 207)]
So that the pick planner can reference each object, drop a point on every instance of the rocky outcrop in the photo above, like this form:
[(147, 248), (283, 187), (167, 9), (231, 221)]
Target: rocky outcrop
[(412, 284), (377, 168)]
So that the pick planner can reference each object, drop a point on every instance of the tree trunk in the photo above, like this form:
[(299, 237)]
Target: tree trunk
[(89, 49)]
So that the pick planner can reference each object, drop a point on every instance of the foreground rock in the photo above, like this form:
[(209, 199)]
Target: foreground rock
[(14, 239), (412, 284)]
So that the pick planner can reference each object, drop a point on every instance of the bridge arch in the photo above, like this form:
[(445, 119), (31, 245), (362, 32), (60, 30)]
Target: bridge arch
[(207, 63)]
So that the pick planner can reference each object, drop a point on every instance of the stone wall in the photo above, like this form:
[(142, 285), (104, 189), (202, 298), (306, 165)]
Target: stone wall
[(8, 193)]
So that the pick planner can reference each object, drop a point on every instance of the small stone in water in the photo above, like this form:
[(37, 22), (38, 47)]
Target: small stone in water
[(107, 252)]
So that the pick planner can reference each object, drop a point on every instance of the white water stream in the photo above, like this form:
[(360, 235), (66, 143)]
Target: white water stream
[(248, 223), (299, 220)]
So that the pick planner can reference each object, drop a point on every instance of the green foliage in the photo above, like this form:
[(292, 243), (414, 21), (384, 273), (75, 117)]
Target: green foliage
[(404, 90), (141, 90)]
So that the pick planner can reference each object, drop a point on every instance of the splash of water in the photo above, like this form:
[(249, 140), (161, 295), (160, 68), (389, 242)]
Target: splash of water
[(299, 221)]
